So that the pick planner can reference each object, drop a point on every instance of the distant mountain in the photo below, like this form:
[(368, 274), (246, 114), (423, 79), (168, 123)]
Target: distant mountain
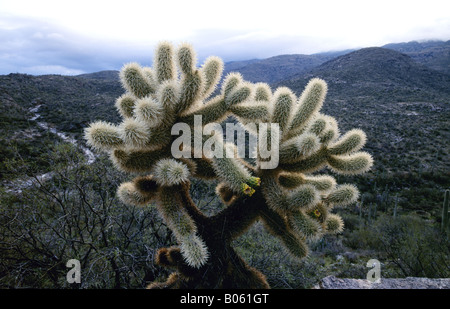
[(278, 68), (433, 54), (381, 73), (102, 75)]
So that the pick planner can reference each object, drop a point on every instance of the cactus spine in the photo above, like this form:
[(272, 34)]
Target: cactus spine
[(294, 204)]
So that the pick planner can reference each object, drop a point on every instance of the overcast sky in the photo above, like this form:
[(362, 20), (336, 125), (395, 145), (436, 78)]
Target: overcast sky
[(74, 37)]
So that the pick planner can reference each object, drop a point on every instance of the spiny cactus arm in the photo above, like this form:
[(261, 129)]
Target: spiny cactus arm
[(357, 163), (136, 81), (278, 227), (342, 195), (172, 209), (147, 111), (170, 172), (136, 161), (311, 164), (323, 183), (309, 103), (229, 168), (299, 147), (303, 197), (164, 64), (349, 163), (239, 94), (350, 142), (250, 111), (139, 192), (135, 134), (130, 195), (125, 105), (283, 105), (334, 224), (305, 226), (234, 91), (212, 71), (103, 136), (215, 110)]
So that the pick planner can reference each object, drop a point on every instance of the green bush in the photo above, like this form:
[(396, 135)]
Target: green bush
[(409, 245)]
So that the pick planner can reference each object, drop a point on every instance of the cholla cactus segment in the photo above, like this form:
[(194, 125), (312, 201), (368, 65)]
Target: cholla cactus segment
[(187, 58), (350, 142), (129, 195), (194, 251), (134, 133), (290, 152), (191, 89), (125, 105), (331, 131), (169, 172), (135, 81), (357, 163), (343, 195), (307, 144), (275, 196), (323, 183), (295, 245), (309, 103), (164, 64), (231, 81), (174, 214), (168, 95), (103, 136), (231, 171), (215, 110), (283, 104), (239, 94), (148, 112), (334, 224), (149, 74), (136, 161), (212, 71), (250, 111), (310, 164), (193, 248), (318, 124), (306, 226), (303, 197), (262, 92), (291, 180)]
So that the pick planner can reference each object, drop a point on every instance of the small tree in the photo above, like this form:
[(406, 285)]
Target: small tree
[(278, 188)]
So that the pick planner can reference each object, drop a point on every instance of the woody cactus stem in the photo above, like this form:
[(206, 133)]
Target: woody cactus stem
[(292, 199)]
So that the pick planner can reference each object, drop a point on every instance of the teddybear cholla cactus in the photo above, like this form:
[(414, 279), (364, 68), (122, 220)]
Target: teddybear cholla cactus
[(293, 203)]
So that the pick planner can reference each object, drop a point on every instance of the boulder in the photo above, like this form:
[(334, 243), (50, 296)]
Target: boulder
[(331, 282)]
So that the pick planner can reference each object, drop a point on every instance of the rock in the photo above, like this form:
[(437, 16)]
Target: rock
[(331, 282)]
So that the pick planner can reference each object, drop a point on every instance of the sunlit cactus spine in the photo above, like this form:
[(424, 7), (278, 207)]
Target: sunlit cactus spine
[(292, 198)]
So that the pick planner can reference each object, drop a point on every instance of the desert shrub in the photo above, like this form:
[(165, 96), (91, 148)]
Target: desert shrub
[(75, 215), (409, 245)]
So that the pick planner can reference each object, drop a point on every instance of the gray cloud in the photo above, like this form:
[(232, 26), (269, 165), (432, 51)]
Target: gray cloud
[(36, 47), (39, 47)]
